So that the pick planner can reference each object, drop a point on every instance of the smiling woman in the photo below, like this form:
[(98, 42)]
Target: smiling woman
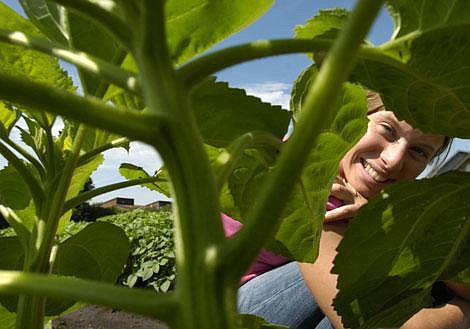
[(390, 151)]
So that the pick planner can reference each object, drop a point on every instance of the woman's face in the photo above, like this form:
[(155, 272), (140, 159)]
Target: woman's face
[(390, 151)]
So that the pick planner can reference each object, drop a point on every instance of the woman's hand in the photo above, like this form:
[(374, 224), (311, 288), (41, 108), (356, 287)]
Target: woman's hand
[(352, 200)]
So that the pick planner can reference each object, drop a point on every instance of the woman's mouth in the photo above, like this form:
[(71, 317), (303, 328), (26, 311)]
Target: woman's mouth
[(372, 172)]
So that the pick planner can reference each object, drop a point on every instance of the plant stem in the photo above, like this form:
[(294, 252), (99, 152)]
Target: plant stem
[(102, 17), (31, 309), (240, 251), (198, 229), (88, 63), (123, 141), (134, 300), (88, 110), (39, 167), (195, 71), (82, 197)]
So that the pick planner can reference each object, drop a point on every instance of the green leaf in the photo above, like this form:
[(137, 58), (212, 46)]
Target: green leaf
[(86, 36), (249, 321), (8, 118), (416, 240), (105, 244), (11, 253), (431, 92), (69, 29), (35, 137), (11, 258), (48, 17), (14, 192), (7, 319), (224, 113), (30, 64), (326, 24), (423, 15), (189, 32), (130, 171)]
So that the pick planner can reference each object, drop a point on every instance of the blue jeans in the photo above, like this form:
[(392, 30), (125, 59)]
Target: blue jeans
[(280, 296)]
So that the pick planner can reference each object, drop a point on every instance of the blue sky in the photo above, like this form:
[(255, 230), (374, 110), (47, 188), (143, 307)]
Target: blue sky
[(271, 79)]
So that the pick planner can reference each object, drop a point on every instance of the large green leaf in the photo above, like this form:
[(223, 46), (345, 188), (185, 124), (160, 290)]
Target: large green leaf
[(14, 192), (86, 36), (326, 24), (189, 32), (431, 91), (7, 319), (302, 219), (105, 243), (224, 113), (422, 15), (98, 252), (11, 253), (69, 29), (8, 118), (399, 244), (27, 63), (48, 17)]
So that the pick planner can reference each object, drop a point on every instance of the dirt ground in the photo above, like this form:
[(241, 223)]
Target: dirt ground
[(99, 317)]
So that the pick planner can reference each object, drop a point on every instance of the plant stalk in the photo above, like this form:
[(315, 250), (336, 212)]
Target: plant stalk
[(198, 229), (264, 219)]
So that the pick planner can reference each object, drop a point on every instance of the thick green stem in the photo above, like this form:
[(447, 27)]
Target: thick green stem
[(88, 63), (88, 110), (164, 307), (264, 219), (39, 167), (79, 199), (202, 67), (198, 227), (31, 309), (120, 142)]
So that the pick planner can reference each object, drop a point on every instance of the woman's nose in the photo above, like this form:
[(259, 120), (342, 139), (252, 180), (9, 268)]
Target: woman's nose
[(393, 156)]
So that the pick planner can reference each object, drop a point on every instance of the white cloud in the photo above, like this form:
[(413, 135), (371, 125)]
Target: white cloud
[(276, 93)]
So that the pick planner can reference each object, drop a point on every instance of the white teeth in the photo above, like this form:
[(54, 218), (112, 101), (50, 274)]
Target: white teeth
[(374, 174)]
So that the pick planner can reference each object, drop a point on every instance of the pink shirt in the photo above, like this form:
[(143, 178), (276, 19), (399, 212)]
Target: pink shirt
[(266, 260)]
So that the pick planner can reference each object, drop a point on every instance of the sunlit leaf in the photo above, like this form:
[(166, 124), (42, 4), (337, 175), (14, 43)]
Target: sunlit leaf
[(189, 32), (48, 17), (431, 91), (398, 245), (14, 192), (8, 118), (326, 24), (130, 171), (107, 244), (30, 64), (423, 15), (224, 113)]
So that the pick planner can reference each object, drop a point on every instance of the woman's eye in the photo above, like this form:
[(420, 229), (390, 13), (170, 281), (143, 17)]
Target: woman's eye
[(387, 129)]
